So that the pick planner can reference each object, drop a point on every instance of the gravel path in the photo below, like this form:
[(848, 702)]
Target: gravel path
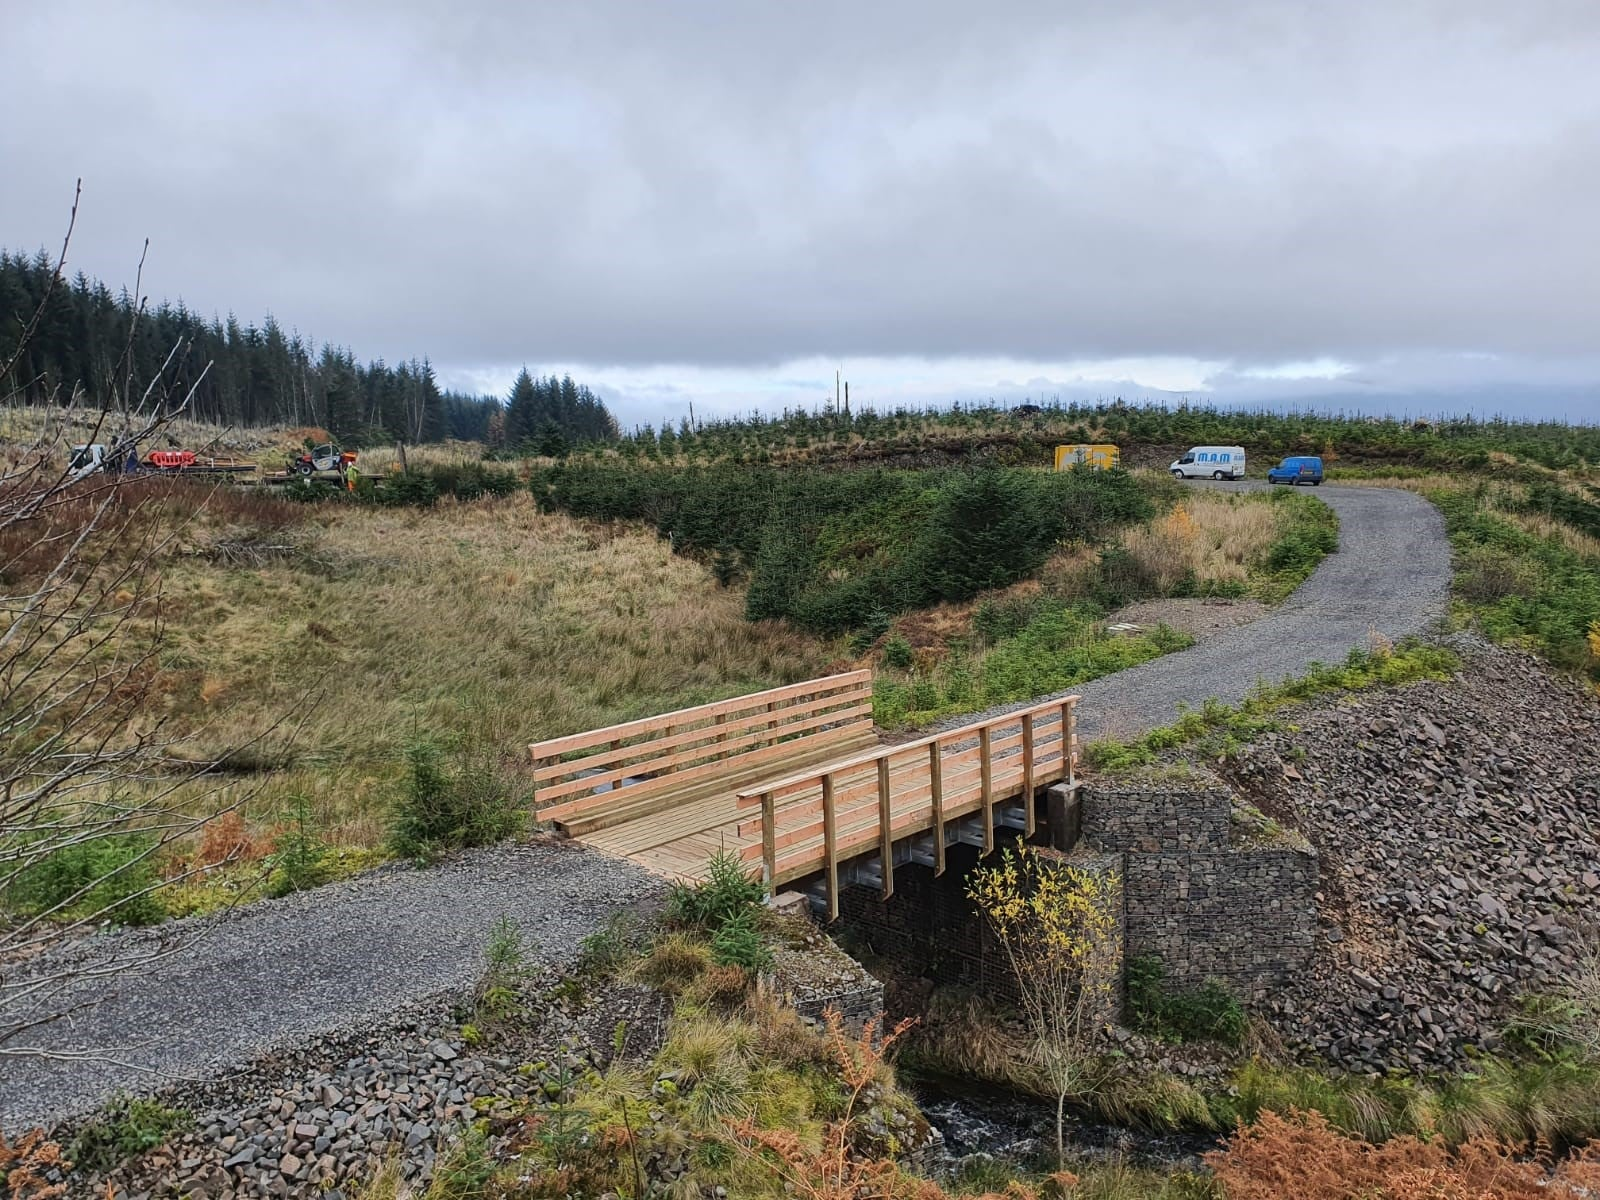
[(339, 958), (1390, 575)]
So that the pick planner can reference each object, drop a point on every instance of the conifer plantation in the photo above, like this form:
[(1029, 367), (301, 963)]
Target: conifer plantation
[(263, 374)]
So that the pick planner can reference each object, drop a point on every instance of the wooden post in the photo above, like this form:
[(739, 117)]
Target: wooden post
[(721, 719), (400, 453), (830, 847), (772, 722), (885, 827), (669, 768), (1068, 768), (936, 794), (986, 766), (769, 842), (1027, 774)]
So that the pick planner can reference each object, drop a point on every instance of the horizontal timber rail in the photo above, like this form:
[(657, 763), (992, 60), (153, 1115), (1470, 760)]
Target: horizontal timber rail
[(812, 821), (589, 781)]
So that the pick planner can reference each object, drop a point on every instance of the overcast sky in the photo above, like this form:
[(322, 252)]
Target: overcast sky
[(1393, 202)]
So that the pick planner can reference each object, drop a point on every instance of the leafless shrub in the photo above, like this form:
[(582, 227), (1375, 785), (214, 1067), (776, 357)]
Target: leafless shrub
[(84, 758)]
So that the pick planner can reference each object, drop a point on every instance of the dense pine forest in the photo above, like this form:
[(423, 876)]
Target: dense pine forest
[(248, 375)]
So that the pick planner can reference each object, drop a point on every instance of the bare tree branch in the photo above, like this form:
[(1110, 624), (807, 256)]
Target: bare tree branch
[(87, 762)]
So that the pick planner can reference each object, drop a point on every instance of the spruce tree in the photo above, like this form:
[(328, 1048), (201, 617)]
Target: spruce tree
[(520, 409)]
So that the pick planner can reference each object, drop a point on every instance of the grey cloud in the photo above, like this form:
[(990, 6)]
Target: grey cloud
[(736, 183)]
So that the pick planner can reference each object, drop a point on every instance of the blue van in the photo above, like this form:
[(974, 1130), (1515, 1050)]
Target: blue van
[(1300, 469)]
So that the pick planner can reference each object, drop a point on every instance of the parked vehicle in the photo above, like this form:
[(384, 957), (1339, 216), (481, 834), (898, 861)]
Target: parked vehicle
[(1098, 456), (87, 459), (326, 457), (1297, 469), (1219, 462)]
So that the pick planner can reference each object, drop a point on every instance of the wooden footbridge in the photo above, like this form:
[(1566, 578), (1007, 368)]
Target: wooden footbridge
[(796, 779)]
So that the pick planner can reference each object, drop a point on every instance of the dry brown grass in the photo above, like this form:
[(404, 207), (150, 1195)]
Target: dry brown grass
[(22, 423), (1212, 536), (1542, 526), (380, 460), (1070, 572), (269, 445), (488, 623)]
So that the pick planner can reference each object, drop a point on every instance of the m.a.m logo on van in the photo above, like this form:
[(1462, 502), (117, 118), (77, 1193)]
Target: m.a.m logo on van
[(1215, 462)]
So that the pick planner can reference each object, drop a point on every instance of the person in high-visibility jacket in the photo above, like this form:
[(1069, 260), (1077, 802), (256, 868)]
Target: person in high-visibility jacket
[(351, 477)]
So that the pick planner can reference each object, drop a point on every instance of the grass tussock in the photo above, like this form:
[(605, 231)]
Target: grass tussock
[(22, 424), (1208, 536)]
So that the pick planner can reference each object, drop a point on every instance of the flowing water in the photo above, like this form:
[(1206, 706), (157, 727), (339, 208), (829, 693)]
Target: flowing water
[(1021, 1131)]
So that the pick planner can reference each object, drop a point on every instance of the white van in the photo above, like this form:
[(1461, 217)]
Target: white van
[(1218, 462)]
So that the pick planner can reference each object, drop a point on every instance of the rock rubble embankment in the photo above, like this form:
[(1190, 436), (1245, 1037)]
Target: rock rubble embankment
[(1459, 829)]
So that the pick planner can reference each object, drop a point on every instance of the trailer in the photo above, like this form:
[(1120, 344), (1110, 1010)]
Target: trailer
[(94, 457), (187, 462)]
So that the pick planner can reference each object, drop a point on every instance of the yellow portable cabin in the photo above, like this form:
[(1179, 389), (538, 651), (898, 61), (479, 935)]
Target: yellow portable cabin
[(1100, 457)]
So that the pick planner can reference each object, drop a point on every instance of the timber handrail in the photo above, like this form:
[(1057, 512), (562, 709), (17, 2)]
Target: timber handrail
[(610, 773), (942, 789), (554, 747)]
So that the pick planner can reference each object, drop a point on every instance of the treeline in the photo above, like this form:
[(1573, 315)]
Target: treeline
[(1028, 433), (549, 415), (842, 550), (92, 339)]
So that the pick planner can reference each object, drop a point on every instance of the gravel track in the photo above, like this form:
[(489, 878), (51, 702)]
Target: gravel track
[(348, 955), (341, 958), (1390, 576)]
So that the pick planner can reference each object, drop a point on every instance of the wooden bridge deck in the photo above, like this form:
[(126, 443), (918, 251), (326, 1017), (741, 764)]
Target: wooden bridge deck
[(802, 787)]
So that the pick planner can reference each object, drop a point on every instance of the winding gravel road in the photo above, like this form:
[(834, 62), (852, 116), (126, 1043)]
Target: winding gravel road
[(349, 954), (268, 975), (1390, 576)]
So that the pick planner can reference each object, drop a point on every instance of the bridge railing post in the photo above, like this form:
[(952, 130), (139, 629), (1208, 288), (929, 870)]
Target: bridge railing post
[(986, 775), (885, 826), (936, 797), (1069, 769), (769, 841), (830, 846), (1027, 774)]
